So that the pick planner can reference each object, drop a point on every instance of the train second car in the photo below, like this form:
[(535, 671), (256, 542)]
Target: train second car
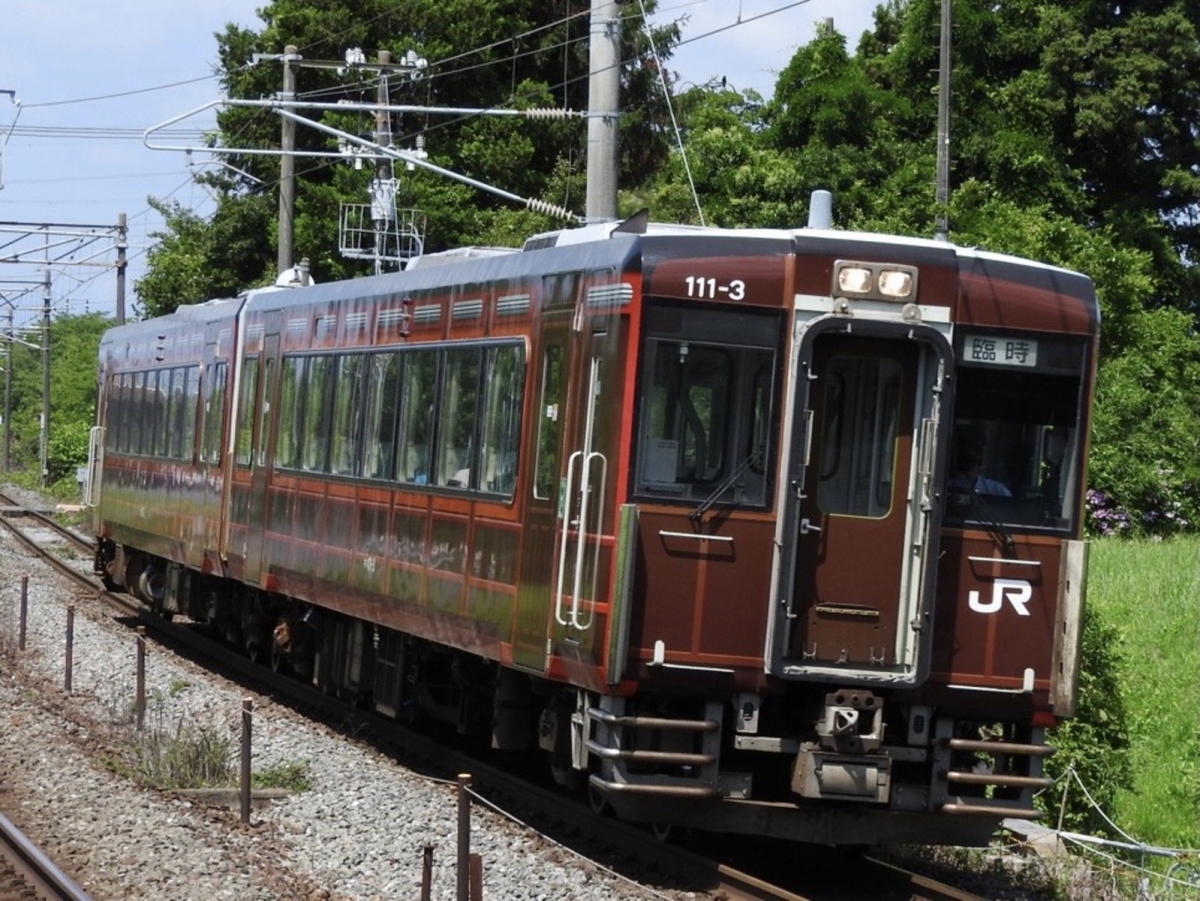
[(773, 532)]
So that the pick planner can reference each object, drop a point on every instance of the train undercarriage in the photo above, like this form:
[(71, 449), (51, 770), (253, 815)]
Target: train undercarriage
[(842, 766)]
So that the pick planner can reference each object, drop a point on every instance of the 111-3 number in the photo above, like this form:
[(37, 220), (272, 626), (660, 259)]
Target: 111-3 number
[(698, 286)]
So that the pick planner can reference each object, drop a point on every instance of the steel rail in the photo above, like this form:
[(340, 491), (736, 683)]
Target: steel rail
[(35, 868)]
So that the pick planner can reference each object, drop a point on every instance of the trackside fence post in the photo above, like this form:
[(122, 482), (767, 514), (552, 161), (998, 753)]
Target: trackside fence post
[(464, 835), (139, 701), (427, 873), (247, 717), (24, 613), (70, 647)]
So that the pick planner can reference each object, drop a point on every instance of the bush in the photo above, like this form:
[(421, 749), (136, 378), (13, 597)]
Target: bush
[(1096, 741)]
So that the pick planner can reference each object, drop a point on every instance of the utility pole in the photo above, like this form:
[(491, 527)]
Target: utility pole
[(604, 83), (45, 442), (8, 364), (287, 162), (941, 229), (383, 191), (122, 264)]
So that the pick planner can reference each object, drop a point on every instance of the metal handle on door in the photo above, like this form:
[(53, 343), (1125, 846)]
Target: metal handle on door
[(806, 527)]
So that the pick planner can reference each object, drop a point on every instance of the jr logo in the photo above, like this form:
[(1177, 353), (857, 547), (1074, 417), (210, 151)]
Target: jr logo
[(1017, 591)]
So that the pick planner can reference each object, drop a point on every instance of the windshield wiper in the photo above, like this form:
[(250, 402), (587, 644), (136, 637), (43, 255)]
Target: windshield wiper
[(726, 483)]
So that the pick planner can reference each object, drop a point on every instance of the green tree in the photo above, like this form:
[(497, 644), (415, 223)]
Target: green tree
[(74, 344), (482, 54)]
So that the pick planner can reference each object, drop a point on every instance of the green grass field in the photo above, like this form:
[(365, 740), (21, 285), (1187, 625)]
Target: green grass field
[(1150, 592)]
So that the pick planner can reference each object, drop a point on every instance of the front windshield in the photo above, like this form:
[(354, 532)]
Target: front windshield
[(1015, 448)]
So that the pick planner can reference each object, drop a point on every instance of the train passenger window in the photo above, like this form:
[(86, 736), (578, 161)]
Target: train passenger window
[(549, 423), (458, 409), (314, 442), (383, 413), (191, 402), (504, 391), (214, 412), (347, 414), (176, 414), (245, 411), (112, 436), (291, 401), (417, 408), (157, 385), (137, 406), (858, 436)]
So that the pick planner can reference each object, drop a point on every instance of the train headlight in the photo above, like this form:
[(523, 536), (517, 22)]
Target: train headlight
[(854, 280), (895, 283), (878, 281)]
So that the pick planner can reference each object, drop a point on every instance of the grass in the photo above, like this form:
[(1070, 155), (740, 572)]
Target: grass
[(1150, 592)]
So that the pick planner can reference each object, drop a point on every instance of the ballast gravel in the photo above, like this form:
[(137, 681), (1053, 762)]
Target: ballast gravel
[(359, 832)]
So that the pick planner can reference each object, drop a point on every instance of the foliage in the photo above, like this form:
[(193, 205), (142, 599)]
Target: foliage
[(74, 343), (1095, 742), (482, 54), (295, 777)]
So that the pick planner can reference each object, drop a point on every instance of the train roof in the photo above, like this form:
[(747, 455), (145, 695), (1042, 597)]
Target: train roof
[(621, 247)]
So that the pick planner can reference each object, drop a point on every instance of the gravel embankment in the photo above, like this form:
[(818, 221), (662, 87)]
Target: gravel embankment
[(358, 833)]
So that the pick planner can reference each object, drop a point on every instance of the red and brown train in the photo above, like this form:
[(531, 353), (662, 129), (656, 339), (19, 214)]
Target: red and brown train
[(774, 532)]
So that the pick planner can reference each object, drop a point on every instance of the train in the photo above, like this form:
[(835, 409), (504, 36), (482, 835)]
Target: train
[(761, 531)]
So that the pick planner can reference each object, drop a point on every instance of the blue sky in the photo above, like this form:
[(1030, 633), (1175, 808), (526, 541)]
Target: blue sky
[(91, 77)]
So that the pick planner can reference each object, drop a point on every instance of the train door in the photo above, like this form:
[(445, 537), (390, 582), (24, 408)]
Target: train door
[(858, 520), (549, 373), (259, 462), (585, 517)]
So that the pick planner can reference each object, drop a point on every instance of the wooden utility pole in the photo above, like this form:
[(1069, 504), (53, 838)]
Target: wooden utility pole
[(604, 83)]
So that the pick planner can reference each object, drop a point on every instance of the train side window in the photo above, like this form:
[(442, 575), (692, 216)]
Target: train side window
[(417, 408), (347, 414), (504, 393), (265, 408), (191, 401), (112, 437), (157, 384), (214, 412), (291, 402), (314, 446), (137, 405), (379, 433), (549, 423), (245, 412), (176, 414), (458, 407)]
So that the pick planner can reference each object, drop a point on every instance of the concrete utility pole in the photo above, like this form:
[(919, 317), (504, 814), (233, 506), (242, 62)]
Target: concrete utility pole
[(122, 265), (383, 192), (287, 163), (45, 442), (604, 83), (941, 229)]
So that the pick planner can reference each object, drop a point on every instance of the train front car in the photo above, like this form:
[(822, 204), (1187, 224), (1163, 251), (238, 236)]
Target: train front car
[(852, 582)]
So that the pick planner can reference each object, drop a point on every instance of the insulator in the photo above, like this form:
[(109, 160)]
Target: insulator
[(550, 209), (542, 112)]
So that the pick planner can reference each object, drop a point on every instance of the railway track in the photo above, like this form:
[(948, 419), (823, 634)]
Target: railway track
[(553, 812)]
